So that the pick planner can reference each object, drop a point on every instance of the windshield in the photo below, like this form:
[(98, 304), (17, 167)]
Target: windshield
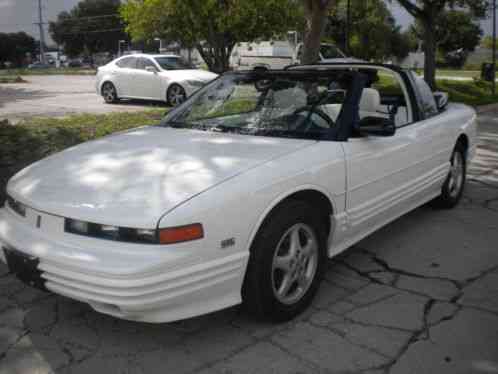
[(330, 51), (173, 63), (282, 104)]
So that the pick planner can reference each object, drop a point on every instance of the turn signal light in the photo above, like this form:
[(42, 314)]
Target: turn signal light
[(181, 234)]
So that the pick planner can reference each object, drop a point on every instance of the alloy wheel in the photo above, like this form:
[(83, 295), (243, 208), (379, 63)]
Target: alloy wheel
[(176, 95), (294, 264), (109, 93), (456, 174)]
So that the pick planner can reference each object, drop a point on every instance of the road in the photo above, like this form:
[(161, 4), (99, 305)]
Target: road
[(58, 95), (418, 297)]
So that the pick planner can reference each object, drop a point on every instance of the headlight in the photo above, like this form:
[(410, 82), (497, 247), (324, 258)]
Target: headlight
[(16, 206), (122, 234), (195, 83), (125, 234)]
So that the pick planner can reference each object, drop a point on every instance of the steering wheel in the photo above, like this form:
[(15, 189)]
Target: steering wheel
[(309, 110)]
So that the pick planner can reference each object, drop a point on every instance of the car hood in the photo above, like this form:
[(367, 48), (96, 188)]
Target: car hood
[(200, 75), (131, 179)]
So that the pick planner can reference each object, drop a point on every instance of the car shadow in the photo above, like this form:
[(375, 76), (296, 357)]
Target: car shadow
[(13, 94)]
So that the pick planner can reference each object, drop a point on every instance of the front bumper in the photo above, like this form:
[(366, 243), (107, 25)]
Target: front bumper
[(154, 287)]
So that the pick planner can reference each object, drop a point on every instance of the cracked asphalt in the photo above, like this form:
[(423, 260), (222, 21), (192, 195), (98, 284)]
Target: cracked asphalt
[(419, 296)]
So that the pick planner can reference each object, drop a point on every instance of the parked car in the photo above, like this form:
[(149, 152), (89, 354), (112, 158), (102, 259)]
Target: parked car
[(74, 63), (278, 54), (239, 195), (152, 77), (39, 65)]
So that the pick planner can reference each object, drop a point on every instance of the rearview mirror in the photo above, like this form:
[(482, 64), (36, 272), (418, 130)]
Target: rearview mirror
[(441, 99), (151, 69), (377, 126)]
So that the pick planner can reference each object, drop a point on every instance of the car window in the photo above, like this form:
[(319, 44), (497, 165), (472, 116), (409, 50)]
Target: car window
[(127, 62), (393, 99), (142, 63), (173, 63), (329, 51), (428, 105)]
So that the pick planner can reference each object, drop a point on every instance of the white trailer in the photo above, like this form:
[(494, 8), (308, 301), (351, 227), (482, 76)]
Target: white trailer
[(278, 54)]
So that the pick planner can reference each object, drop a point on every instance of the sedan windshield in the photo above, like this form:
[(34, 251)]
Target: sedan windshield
[(173, 63), (329, 51), (282, 104)]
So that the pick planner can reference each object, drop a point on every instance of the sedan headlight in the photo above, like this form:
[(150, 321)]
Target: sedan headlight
[(196, 83), (122, 234), (16, 206), (125, 234)]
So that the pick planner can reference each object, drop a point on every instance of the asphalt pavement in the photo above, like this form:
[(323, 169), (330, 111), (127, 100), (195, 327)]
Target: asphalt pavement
[(59, 95)]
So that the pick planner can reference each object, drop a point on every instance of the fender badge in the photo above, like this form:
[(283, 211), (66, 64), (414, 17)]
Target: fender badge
[(227, 243)]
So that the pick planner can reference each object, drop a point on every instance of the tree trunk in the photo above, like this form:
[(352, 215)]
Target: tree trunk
[(315, 12), (216, 58), (430, 46)]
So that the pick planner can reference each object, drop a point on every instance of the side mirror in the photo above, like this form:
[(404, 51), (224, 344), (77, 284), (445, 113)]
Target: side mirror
[(151, 69), (377, 126), (441, 99)]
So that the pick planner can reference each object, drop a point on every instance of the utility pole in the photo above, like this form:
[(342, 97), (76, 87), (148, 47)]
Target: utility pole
[(42, 32), (348, 27), (494, 47)]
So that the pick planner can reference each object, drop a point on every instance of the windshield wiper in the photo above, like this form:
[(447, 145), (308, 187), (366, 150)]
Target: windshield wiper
[(176, 124), (289, 134)]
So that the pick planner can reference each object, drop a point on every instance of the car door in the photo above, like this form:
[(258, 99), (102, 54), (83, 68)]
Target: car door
[(123, 75), (147, 84), (388, 176)]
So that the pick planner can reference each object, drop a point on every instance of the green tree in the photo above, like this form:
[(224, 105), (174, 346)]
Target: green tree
[(428, 13), (91, 26), (15, 46), (213, 27), (457, 31), (457, 34), (373, 35)]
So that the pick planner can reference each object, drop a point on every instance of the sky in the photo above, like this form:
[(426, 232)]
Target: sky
[(19, 15)]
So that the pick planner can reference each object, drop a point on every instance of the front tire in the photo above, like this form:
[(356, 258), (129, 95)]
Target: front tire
[(453, 187), (176, 95), (286, 263), (109, 93)]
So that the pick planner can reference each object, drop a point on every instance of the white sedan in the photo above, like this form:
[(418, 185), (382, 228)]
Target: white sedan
[(241, 193), (150, 77)]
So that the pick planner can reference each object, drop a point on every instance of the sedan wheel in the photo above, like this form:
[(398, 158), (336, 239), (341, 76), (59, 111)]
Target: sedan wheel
[(286, 262), (176, 95), (109, 93)]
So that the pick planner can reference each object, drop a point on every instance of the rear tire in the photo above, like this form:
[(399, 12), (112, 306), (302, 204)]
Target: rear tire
[(109, 93), (286, 263), (453, 187)]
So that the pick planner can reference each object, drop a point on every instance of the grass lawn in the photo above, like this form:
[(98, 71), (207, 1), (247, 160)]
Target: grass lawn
[(473, 93), (49, 71), (33, 139), (458, 73)]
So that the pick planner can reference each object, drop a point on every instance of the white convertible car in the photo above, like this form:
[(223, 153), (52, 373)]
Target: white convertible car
[(150, 77), (241, 193)]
